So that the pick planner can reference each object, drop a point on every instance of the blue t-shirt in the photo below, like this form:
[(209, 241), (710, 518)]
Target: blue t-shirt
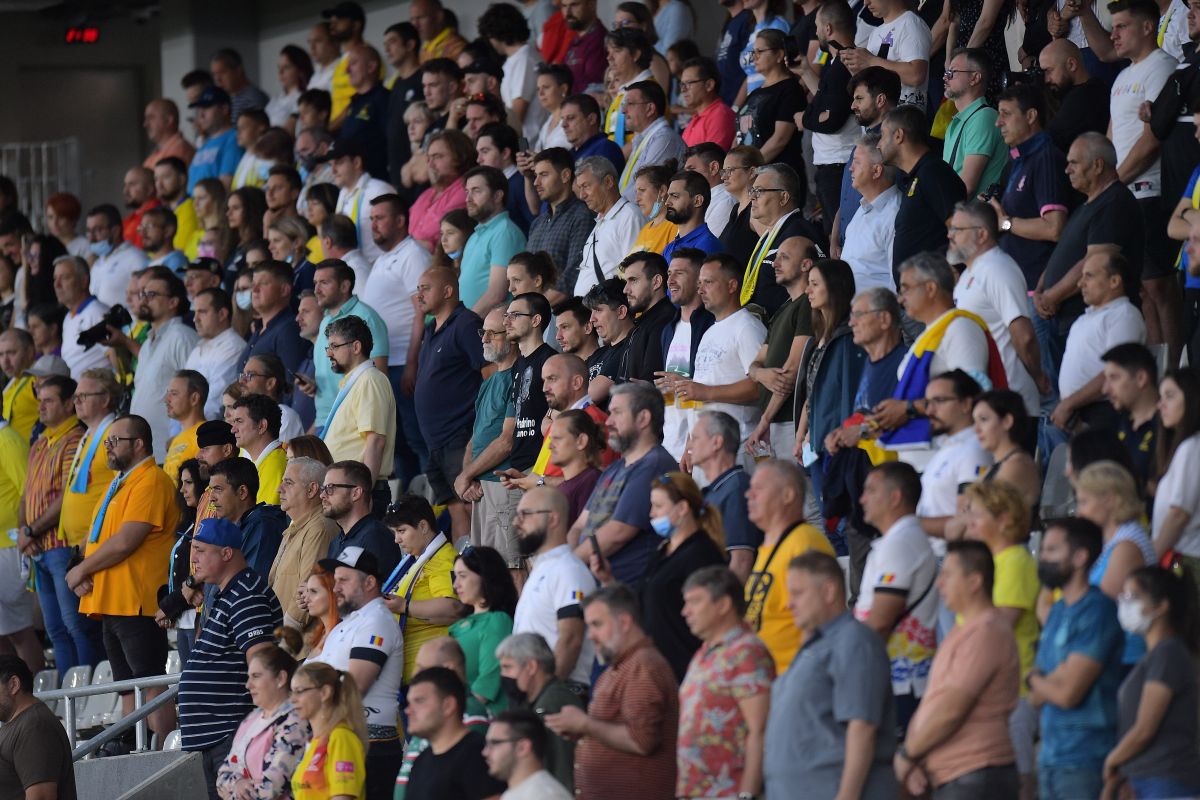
[(727, 493), (448, 376), (1085, 734), (729, 52), (878, 380), (601, 145), (1190, 281), (216, 157), (490, 247), (701, 238)]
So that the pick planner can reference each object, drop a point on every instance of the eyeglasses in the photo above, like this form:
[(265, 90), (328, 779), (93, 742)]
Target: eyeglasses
[(905, 289), (111, 441), (150, 294), (759, 191), (756, 52), (954, 231), (629, 103), (950, 73), (91, 394), (329, 348), (525, 513), (327, 488), (727, 171), (248, 375), (298, 692), (484, 333), (511, 314), (685, 84)]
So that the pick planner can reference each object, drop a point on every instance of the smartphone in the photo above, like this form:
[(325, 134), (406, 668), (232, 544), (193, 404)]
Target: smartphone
[(302, 378), (522, 145), (596, 547)]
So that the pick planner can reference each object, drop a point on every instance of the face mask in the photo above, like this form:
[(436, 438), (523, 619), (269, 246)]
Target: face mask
[(304, 173), (662, 526), (306, 163), (1133, 617), (454, 255), (289, 259), (206, 251), (1053, 575), (512, 691), (243, 299), (657, 207), (100, 249)]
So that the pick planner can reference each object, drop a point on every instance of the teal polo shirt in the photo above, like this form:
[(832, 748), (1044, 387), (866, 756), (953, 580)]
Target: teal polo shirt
[(973, 132), (491, 246), (327, 379)]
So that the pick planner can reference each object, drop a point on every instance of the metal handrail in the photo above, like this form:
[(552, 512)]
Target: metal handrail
[(138, 717)]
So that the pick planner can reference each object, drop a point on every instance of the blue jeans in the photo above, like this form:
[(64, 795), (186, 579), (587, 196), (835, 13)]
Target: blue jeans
[(1051, 345), (1073, 782), (1161, 789), (185, 640), (412, 456), (75, 638)]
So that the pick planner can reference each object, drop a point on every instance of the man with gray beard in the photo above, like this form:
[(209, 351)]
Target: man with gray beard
[(492, 505)]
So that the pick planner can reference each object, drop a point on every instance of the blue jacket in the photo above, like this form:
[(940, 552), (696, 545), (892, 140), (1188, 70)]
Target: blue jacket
[(836, 383), (262, 531)]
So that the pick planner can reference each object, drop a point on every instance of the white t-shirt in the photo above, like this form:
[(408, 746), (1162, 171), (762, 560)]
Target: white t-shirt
[(957, 459), (1093, 334), (111, 274), (963, 346), (720, 204), (994, 289), (370, 634), (836, 148), (391, 285), (725, 353), (520, 82), (902, 562), (1136, 84), (675, 420), (555, 590), (906, 38), (1180, 488), (1172, 27), (610, 241), (541, 785)]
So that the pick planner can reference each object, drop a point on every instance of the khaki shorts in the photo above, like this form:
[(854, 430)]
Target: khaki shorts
[(16, 602)]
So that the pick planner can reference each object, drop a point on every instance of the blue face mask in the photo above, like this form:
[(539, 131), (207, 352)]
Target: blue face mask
[(657, 207), (454, 255), (289, 259), (243, 299), (304, 173), (100, 249), (662, 526)]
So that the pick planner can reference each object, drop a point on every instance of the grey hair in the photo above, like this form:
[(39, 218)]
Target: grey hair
[(870, 140), (718, 423), (880, 298), (644, 397), (599, 166), (78, 264), (418, 108), (319, 136), (719, 581), (791, 473), (1099, 147), (788, 178), (525, 647), (311, 470), (931, 267), (982, 214)]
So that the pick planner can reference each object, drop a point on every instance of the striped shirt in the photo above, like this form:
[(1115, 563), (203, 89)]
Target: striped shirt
[(49, 464), (212, 689)]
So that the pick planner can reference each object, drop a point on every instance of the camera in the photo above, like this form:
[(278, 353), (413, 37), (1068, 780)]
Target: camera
[(117, 317)]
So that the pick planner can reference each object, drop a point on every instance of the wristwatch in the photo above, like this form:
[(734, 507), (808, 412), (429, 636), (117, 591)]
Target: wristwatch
[(910, 409), (541, 481), (1006, 225)]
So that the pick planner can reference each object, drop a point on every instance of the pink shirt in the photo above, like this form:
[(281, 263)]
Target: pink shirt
[(713, 124), (425, 218)]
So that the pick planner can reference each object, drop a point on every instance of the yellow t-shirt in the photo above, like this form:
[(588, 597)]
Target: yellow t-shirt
[(370, 407), (270, 475), (191, 247), (316, 253), (1016, 586), (435, 580), (21, 405), (332, 766), (766, 592), (187, 226), (75, 521), (130, 587), (342, 91), (180, 449), (14, 461), (654, 237)]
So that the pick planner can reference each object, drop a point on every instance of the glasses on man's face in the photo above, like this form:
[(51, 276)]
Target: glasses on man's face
[(759, 191), (526, 513), (950, 73), (954, 231), (511, 314), (150, 294), (328, 488), (249, 376), (484, 333), (685, 84), (112, 441), (331, 347)]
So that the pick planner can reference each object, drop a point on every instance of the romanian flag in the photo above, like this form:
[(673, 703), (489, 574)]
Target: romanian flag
[(376, 641)]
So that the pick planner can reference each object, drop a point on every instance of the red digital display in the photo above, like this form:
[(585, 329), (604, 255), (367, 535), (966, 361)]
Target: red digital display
[(83, 34)]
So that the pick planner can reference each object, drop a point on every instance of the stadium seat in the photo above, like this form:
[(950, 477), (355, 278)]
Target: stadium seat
[(174, 740), (75, 677), (174, 663), (97, 708), (46, 681)]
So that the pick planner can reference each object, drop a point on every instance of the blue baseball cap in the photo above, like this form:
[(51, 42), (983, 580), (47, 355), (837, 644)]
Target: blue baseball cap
[(219, 533), (211, 96)]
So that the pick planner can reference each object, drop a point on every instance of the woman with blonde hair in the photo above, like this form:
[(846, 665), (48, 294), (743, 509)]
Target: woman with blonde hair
[(693, 537), (287, 239), (418, 119), (208, 199), (334, 763)]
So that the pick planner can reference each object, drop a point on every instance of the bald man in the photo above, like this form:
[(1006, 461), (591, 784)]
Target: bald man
[(161, 122), (449, 375), (139, 196), (1083, 99), (366, 119)]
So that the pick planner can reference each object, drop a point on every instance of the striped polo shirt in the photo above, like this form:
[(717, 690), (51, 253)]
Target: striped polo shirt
[(49, 464), (212, 689)]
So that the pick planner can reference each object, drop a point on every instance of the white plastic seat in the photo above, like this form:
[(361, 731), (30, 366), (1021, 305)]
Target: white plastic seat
[(75, 677), (174, 740), (1057, 495), (174, 662), (46, 681), (97, 707)]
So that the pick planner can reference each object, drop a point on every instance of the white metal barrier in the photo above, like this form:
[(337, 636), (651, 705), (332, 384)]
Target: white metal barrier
[(137, 718)]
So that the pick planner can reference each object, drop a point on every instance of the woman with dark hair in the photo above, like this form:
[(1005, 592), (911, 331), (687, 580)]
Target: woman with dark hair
[(636, 16), (1156, 704), (309, 446), (1176, 519), (830, 366), (295, 71), (244, 211), (44, 323), (1002, 427), (243, 309), (174, 608), (456, 227), (737, 175), (208, 198), (768, 15), (629, 57), (483, 581), (650, 193), (35, 279), (531, 272), (767, 119), (553, 87)]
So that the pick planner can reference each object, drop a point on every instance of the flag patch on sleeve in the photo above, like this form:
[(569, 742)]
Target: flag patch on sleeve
[(376, 641)]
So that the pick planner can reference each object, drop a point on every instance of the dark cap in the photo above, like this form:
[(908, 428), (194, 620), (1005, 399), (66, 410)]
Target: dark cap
[(354, 557), (213, 433), (211, 96), (486, 66), (344, 148), (206, 264), (345, 11)]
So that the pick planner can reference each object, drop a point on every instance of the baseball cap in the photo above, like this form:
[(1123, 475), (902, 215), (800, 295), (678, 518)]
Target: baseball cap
[(211, 96), (345, 11), (206, 264), (219, 533), (486, 66), (214, 432), (354, 557), (47, 366), (344, 148)]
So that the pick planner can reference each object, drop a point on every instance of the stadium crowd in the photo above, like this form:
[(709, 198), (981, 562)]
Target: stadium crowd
[(585, 410)]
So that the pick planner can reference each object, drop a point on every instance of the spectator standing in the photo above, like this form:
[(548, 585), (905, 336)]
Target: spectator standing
[(776, 199), (974, 147), (725, 697), (958, 741), (901, 43), (17, 603), (218, 349), (497, 146), (439, 38), (229, 74), (585, 52), (219, 154), (628, 734), (871, 233), (275, 329), (255, 420), (238, 620), (346, 499), (138, 194), (157, 231), (17, 353), (483, 281), (511, 36), (714, 448), (233, 484), (1083, 99), (1077, 671), (707, 158), (35, 754), (681, 337), (306, 538), (450, 155), (561, 228), (366, 116), (615, 229), (114, 259), (874, 91), (1176, 521), (266, 375), (654, 141), (712, 120), (767, 120), (184, 399), (1131, 386), (646, 291), (831, 722), (402, 46), (358, 191), (581, 124), (160, 120)]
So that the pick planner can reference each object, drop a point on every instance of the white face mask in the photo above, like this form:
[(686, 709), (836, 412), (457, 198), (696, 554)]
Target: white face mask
[(1133, 617)]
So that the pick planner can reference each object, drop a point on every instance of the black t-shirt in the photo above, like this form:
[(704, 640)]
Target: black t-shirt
[(1171, 123), (460, 773), (645, 342), (1140, 443), (366, 122), (614, 365), (1082, 108), (1112, 218), (767, 105), (528, 406), (34, 749), (662, 597), (1036, 180), (832, 96), (927, 198), (595, 361)]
